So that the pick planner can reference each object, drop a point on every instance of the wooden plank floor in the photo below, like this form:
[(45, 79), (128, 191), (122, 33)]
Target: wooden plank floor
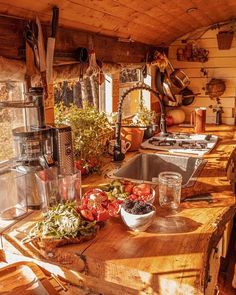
[(227, 267)]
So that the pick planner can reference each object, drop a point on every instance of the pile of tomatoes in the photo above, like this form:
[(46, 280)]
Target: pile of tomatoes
[(96, 205), (140, 192)]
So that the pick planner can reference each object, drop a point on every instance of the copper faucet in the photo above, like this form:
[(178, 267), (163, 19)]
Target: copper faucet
[(118, 155)]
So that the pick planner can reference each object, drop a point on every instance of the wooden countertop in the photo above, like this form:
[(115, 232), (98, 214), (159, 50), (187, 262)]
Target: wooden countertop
[(171, 257)]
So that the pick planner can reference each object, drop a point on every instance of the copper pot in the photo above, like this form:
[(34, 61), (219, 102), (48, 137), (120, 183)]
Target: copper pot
[(178, 78)]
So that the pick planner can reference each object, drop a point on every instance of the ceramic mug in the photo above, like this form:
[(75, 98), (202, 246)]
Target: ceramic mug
[(125, 145)]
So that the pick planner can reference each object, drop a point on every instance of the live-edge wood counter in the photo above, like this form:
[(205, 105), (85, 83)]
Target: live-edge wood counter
[(171, 257)]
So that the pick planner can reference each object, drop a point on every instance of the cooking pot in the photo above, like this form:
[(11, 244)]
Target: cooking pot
[(178, 77)]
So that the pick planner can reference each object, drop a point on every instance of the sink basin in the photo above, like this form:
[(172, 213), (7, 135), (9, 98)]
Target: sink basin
[(144, 167)]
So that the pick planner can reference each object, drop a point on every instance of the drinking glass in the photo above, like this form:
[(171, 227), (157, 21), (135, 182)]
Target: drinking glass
[(170, 189), (70, 187), (47, 185)]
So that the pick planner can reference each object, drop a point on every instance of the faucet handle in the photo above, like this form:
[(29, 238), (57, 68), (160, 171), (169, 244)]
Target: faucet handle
[(118, 155)]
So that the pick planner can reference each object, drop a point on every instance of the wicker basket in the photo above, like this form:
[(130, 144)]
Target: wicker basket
[(224, 39)]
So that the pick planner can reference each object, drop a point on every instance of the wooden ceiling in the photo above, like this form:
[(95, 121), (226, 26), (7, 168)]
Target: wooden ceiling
[(154, 22)]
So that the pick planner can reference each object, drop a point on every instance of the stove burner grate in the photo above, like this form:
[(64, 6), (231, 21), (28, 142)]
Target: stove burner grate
[(193, 145), (158, 142)]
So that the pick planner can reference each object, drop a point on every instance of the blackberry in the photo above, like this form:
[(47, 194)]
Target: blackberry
[(128, 206)]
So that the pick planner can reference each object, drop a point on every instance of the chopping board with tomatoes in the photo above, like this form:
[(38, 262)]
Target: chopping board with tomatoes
[(79, 223)]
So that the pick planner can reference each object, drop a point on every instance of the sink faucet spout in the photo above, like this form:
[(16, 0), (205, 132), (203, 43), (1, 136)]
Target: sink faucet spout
[(118, 155)]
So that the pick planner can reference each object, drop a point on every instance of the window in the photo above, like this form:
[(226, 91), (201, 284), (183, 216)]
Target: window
[(10, 118)]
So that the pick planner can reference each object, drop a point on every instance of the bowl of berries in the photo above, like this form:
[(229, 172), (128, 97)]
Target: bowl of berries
[(137, 215)]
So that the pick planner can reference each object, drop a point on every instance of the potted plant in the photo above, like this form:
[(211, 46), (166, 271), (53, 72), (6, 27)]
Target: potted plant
[(218, 109), (91, 130), (145, 118)]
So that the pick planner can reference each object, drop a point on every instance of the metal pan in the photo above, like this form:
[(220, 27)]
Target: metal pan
[(187, 96), (178, 77)]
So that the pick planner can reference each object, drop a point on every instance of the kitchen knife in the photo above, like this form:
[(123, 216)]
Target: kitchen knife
[(42, 56), (51, 46)]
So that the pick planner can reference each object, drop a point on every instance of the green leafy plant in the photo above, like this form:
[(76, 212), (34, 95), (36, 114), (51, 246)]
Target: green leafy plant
[(217, 108), (144, 116), (88, 125)]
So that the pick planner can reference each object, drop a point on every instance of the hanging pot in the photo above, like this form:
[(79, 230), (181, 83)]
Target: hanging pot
[(187, 96), (178, 77)]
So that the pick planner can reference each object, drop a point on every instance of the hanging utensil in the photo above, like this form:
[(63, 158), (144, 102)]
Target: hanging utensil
[(188, 96), (144, 68), (82, 55), (159, 79), (93, 68), (178, 77), (51, 45), (31, 36), (42, 56), (167, 88)]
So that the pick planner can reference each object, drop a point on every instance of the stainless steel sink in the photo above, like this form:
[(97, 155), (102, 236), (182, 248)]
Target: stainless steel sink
[(144, 167)]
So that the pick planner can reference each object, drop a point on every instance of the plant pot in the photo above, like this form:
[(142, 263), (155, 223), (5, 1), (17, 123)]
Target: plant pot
[(134, 135), (149, 132), (224, 39)]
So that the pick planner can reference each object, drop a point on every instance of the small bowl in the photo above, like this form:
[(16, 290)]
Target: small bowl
[(137, 222)]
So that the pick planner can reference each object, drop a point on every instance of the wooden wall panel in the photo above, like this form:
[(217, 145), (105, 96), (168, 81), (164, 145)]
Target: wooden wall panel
[(12, 44), (221, 64)]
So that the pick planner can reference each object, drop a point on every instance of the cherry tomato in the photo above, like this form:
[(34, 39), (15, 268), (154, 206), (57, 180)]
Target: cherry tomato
[(102, 215), (114, 208), (93, 162), (133, 197), (87, 214), (142, 189), (129, 188), (81, 165)]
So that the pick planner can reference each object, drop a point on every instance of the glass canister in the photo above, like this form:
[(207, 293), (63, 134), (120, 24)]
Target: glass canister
[(13, 195), (170, 189)]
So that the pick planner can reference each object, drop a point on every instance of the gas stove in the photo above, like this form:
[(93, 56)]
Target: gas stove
[(199, 144)]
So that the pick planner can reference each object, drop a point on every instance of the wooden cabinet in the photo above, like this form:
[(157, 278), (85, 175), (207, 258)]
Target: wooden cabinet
[(214, 267), (214, 262)]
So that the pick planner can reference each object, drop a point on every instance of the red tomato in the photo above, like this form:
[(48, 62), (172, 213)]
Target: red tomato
[(133, 197), (102, 215), (87, 214), (145, 198), (81, 165), (93, 162), (129, 188), (96, 199), (169, 120), (114, 208), (142, 189)]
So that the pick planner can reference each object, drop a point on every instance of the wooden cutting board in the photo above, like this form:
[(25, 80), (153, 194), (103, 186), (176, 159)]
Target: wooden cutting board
[(24, 278)]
